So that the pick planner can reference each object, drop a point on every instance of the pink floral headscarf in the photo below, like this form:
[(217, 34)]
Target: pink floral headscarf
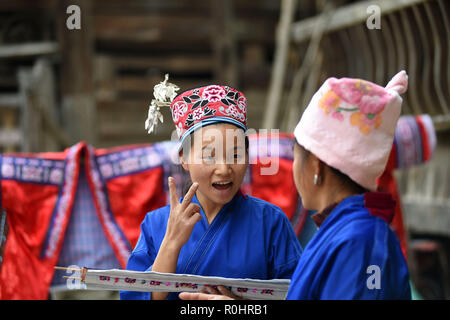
[(350, 124)]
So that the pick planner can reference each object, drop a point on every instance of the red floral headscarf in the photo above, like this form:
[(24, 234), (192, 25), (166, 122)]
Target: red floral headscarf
[(205, 105)]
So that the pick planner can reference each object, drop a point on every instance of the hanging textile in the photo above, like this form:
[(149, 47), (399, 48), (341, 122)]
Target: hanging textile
[(414, 144)]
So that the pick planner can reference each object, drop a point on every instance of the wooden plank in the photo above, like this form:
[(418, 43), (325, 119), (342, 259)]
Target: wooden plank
[(144, 85), (9, 100), (177, 29), (145, 6), (347, 16), (151, 28), (175, 63), (27, 5), (191, 6), (441, 122), (10, 137), (28, 49)]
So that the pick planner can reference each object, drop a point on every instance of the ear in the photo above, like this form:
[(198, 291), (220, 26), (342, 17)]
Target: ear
[(182, 161)]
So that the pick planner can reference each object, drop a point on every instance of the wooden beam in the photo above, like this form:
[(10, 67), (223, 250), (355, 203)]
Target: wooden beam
[(441, 122), (181, 63), (348, 16), (10, 137), (28, 49), (10, 100), (27, 5), (280, 63), (152, 28), (159, 31)]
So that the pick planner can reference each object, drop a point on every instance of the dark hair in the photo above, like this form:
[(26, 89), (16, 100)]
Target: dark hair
[(345, 179)]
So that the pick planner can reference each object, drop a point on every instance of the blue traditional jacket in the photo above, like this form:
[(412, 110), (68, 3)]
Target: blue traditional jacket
[(249, 238), (354, 254)]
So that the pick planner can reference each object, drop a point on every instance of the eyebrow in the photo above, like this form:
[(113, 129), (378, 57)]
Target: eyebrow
[(209, 146)]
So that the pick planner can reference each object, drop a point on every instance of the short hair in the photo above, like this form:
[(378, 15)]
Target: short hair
[(345, 179)]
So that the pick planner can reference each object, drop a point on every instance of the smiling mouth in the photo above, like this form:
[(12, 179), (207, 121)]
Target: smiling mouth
[(222, 185)]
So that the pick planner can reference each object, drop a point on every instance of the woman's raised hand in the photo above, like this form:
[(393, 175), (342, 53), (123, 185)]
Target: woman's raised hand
[(183, 216)]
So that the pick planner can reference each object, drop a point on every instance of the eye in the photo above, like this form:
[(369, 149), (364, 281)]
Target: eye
[(208, 156)]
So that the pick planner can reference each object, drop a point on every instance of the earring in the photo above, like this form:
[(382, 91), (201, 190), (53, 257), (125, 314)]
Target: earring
[(316, 179)]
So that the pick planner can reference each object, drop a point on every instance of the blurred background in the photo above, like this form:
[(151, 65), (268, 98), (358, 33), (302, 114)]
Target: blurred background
[(64, 80)]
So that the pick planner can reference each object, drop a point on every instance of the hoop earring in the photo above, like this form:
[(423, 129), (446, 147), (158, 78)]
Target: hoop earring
[(316, 179)]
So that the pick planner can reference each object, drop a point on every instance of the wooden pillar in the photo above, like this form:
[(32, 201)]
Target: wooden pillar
[(79, 111), (283, 37), (224, 43)]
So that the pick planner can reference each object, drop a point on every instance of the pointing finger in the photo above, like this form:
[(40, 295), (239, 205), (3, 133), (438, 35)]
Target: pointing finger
[(173, 195), (189, 195)]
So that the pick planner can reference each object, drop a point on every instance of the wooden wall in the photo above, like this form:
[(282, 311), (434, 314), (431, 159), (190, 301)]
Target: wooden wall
[(105, 72)]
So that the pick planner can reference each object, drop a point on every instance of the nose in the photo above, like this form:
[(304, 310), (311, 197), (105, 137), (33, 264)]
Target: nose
[(223, 169)]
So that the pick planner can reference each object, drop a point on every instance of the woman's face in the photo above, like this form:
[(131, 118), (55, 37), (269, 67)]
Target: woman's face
[(218, 161), (303, 172)]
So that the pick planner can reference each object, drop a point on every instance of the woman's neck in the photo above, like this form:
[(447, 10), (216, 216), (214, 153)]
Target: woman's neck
[(210, 208), (332, 196)]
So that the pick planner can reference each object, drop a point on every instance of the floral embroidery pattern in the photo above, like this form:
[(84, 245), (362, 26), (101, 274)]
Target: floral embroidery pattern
[(198, 114), (213, 93), (179, 109), (242, 104), (368, 102), (200, 103), (233, 111)]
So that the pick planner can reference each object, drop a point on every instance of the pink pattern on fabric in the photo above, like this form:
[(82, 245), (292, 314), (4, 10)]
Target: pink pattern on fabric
[(365, 100), (178, 110), (214, 93)]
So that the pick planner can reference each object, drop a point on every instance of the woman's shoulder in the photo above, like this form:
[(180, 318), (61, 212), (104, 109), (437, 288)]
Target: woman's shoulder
[(360, 229)]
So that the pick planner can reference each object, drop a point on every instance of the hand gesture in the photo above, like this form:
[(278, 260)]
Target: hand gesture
[(183, 216)]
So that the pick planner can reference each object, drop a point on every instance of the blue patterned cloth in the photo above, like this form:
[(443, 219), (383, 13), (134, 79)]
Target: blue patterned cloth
[(85, 243)]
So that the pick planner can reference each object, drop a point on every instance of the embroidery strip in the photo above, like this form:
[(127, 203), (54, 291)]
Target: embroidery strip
[(151, 281), (32, 170)]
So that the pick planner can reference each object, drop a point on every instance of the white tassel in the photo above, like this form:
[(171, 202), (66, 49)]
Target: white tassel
[(164, 93)]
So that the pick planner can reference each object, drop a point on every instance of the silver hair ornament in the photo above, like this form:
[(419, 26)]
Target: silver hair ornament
[(164, 93)]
